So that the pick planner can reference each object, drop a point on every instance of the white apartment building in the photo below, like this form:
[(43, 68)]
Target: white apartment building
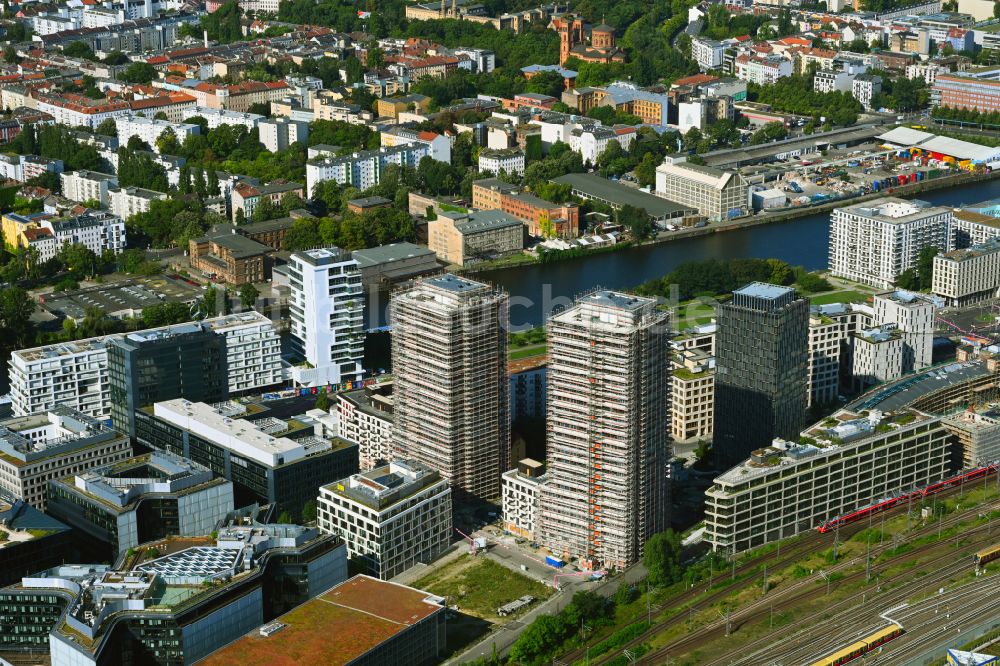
[(51, 445), (87, 185), (128, 201), (69, 113), (520, 491), (483, 61), (451, 400), (826, 341), (876, 356), (391, 518), (913, 316), (962, 277), (692, 396), (970, 228), (361, 169), (150, 129), (717, 194), (438, 146), (508, 160), (827, 81), (279, 133), (590, 142), (365, 418), (707, 53), (790, 488), (97, 231), (218, 117), (26, 167), (864, 87), (875, 241), (608, 430), (75, 374), (352, 114), (326, 305), (762, 70), (925, 71)]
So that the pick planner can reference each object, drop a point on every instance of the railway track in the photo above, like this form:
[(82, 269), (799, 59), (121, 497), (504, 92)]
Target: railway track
[(809, 543), (690, 601), (846, 609), (807, 590), (963, 605)]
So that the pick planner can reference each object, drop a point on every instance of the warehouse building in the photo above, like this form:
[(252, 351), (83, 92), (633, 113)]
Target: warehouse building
[(716, 194), (593, 186), (839, 465)]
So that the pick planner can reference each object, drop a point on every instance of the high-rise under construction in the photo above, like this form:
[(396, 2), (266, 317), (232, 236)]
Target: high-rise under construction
[(451, 396), (607, 446)]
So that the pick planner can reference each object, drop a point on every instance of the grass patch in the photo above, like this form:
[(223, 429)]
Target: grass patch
[(526, 352), (480, 586), (847, 296)]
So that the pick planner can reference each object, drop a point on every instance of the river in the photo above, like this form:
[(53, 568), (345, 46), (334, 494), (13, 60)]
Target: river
[(800, 242)]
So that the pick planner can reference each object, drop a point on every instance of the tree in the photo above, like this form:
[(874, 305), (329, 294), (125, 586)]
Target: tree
[(16, 308), (139, 72), (214, 189), (908, 280), (925, 266), (108, 127), (79, 259), (636, 220), (309, 511), (79, 50), (285, 518), (248, 296), (165, 314), (662, 558), (223, 25), (322, 402), (166, 143), (546, 83), (645, 171)]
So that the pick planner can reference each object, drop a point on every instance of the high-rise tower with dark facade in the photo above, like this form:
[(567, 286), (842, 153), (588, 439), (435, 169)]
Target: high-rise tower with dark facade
[(761, 356)]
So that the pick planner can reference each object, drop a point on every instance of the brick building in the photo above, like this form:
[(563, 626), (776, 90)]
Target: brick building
[(230, 256)]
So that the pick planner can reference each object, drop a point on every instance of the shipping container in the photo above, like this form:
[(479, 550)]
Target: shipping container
[(554, 562)]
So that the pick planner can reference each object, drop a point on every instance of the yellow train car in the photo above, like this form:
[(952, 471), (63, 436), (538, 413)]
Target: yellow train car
[(988, 555), (865, 645)]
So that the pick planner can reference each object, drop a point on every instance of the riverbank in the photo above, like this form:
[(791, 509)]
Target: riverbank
[(904, 191)]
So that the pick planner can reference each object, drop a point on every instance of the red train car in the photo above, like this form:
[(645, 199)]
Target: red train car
[(902, 499)]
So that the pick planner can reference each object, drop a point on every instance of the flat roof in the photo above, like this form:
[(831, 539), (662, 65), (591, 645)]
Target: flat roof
[(452, 282), (384, 254), (905, 136), (906, 391), (621, 195), (763, 290), (336, 627)]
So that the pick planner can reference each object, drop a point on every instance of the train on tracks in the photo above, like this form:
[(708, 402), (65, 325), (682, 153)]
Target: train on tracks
[(986, 556), (861, 647), (884, 505)]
